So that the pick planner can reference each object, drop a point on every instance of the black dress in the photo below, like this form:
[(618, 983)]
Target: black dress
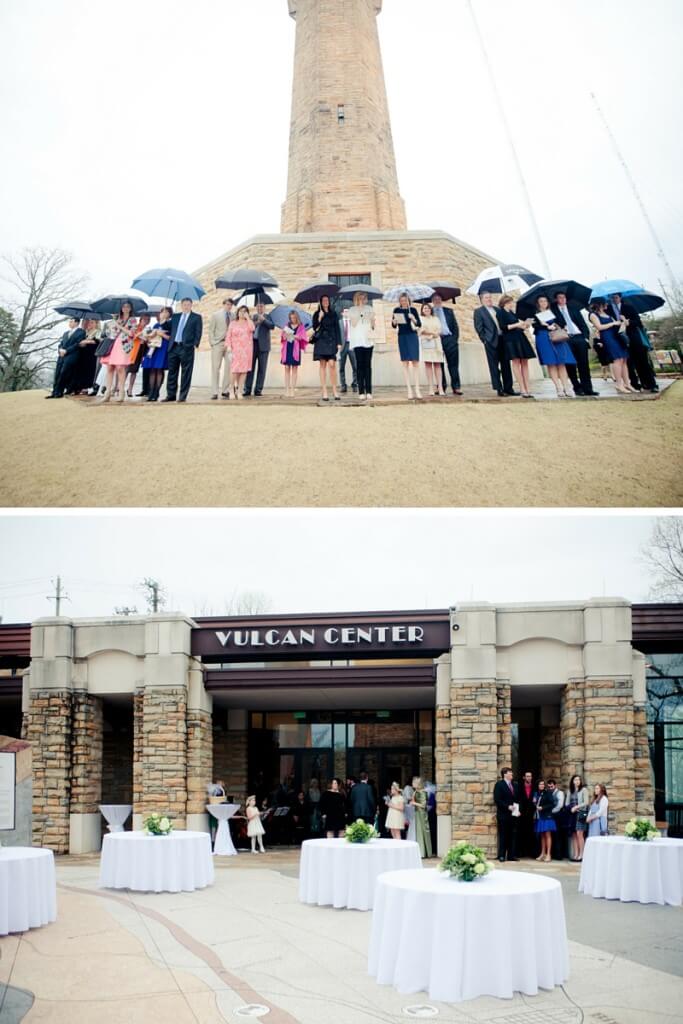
[(517, 345), (333, 810), (327, 339)]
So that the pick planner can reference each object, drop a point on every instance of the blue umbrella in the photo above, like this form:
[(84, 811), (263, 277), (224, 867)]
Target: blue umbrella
[(280, 316), (638, 297), (171, 283)]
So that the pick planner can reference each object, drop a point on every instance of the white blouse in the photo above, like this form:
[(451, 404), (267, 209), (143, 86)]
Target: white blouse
[(360, 326)]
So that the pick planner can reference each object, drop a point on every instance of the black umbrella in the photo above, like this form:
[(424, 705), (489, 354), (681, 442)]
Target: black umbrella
[(111, 304), (577, 294), (446, 291), (314, 292), (243, 278), (643, 302), (349, 290), (79, 311)]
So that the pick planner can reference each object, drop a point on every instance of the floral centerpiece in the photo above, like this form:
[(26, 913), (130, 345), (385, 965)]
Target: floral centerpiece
[(156, 825), (640, 829), (360, 832), (465, 862)]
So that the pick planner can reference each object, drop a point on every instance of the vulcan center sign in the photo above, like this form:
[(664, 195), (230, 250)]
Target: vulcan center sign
[(344, 636)]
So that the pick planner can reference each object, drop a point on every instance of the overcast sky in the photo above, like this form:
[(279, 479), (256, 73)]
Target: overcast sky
[(305, 561), (127, 139)]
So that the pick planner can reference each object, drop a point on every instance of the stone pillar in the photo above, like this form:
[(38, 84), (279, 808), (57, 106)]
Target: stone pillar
[(644, 777), (230, 753), (86, 773), (571, 718), (442, 755), (504, 724), (199, 750)]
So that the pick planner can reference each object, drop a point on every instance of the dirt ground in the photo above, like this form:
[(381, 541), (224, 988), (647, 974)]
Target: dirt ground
[(547, 454)]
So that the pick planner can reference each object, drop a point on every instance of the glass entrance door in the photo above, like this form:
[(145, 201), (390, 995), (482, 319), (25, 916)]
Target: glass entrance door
[(383, 766)]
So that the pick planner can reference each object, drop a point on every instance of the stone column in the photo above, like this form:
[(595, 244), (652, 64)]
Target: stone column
[(571, 718), (442, 755), (644, 779), (504, 723), (86, 773), (199, 750)]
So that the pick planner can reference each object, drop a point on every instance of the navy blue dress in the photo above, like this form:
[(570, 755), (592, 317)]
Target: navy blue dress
[(408, 339), (551, 353), (616, 346), (157, 358)]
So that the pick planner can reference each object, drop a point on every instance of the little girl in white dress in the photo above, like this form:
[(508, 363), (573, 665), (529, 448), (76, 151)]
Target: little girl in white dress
[(255, 829)]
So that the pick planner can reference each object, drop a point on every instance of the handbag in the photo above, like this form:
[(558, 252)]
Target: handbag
[(104, 347), (559, 335)]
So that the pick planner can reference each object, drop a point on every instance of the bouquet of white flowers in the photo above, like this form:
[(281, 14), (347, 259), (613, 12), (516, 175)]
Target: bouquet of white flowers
[(156, 825), (360, 832), (640, 829), (465, 862)]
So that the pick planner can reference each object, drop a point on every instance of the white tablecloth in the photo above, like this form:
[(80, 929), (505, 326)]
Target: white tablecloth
[(115, 815), (28, 889), (456, 940), (617, 868), (223, 845), (180, 862), (342, 874)]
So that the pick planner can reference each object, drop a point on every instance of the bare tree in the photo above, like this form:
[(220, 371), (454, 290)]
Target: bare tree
[(36, 280), (248, 602), (155, 595), (664, 556)]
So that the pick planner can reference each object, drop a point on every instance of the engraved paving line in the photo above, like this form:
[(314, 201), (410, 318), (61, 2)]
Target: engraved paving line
[(205, 953)]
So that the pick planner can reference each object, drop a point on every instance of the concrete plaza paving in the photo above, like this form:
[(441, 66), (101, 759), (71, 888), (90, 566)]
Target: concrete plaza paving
[(247, 942)]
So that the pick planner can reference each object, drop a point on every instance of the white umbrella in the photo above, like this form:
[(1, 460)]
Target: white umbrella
[(415, 292), (271, 296), (505, 277)]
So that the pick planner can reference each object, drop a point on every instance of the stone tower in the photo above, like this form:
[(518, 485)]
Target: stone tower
[(342, 168)]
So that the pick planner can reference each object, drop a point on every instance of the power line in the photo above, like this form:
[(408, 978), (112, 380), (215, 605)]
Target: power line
[(58, 596)]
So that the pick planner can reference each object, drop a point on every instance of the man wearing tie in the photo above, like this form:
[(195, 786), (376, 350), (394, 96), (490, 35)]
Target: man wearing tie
[(506, 799), (640, 370), (263, 325), (67, 359), (186, 333), (576, 327), (450, 333), (488, 328), (220, 356)]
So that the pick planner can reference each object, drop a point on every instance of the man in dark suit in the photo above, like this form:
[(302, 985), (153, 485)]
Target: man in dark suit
[(67, 360), (576, 327), (506, 799), (362, 800), (640, 370), (489, 330), (450, 333), (263, 325), (526, 845), (186, 333)]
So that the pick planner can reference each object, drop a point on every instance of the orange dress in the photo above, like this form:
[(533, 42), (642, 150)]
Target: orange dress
[(240, 341)]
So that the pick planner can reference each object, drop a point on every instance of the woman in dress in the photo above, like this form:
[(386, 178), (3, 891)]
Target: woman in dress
[(396, 817), (615, 343), (518, 347), (86, 366), (577, 804), (545, 823), (556, 355), (333, 810), (293, 342), (406, 318), (432, 352), (255, 829), (422, 834), (156, 357), (408, 793), (327, 341), (361, 318), (596, 819), (137, 351), (118, 360), (240, 342)]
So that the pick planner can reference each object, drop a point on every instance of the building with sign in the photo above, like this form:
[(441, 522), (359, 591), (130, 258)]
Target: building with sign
[(148, 710)]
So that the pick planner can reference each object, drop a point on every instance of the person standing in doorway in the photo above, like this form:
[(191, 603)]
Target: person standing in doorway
[(527, 811), (506, 799)]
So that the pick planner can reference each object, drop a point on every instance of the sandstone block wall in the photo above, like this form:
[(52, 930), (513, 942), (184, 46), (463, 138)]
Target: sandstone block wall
[(199, 759), (48, 730), (230, 761), (86, 753), (161, 750), (474, 764)]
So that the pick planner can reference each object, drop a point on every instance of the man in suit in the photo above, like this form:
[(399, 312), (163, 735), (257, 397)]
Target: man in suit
[(67, 359), (186, 333), (220, 356), (576, 327), (527, 841), (263, 325), (506, 799), (450, 333), (488, 328), (362, 800), (640, 370)]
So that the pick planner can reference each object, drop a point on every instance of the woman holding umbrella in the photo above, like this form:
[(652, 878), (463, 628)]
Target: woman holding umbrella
[(327, 341), (406, 318), (118, 360), (240, 341), (294, 340), (552, 347), (615, 344)]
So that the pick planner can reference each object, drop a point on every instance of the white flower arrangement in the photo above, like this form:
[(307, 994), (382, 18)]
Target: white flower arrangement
[(641, 829), (157, 825), (465, 862)]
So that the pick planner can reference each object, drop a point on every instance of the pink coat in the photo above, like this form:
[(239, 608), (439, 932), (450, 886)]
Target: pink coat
[(300, 343)]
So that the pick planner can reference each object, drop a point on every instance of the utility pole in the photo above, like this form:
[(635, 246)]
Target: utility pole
[(154, 594), (58, 596)]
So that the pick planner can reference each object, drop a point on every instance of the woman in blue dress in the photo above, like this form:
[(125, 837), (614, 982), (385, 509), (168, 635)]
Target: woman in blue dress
[(615, 343), (545, 825), (407, 319), (156, 360), (556, 355)]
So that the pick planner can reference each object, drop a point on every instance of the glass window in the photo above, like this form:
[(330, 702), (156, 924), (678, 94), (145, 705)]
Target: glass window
[(664, 682)]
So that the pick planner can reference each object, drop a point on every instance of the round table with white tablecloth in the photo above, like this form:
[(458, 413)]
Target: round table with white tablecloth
[(223, 845), (618, 868), (501, 934), (337, 873), (179, 862), (28, 888), (115, 815)]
